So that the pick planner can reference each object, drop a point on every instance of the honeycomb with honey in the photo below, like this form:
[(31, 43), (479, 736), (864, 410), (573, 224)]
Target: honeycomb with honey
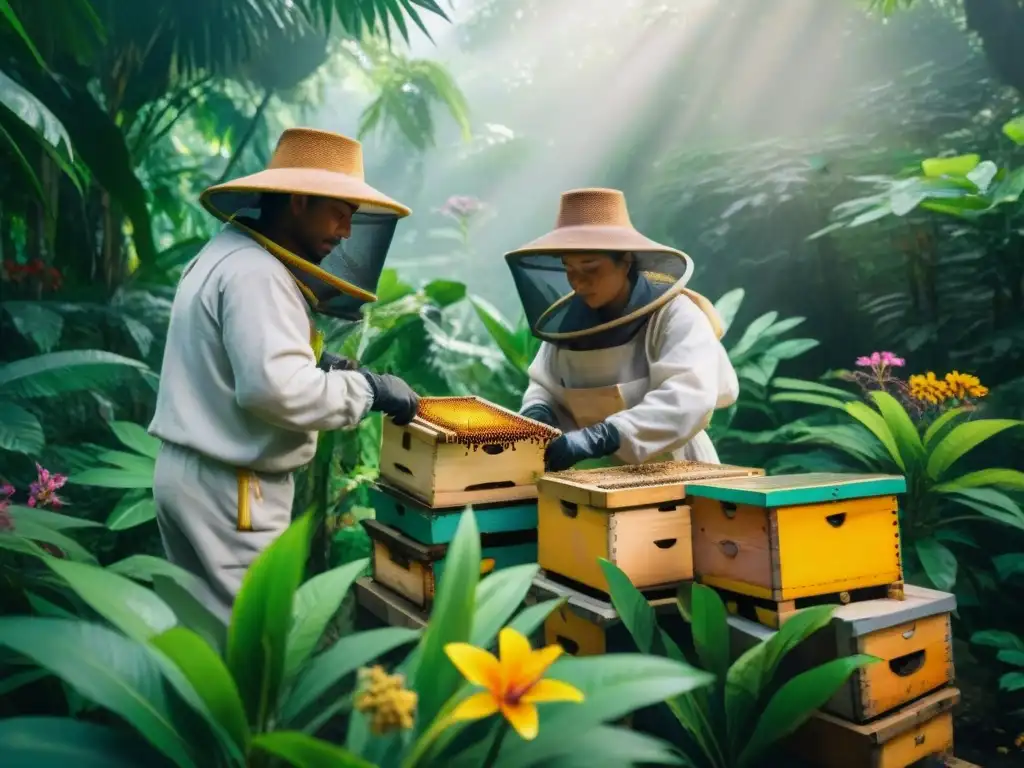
[(643, 475), (472, 421)]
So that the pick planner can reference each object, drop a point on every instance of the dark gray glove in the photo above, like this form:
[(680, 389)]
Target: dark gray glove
[(329, 362), (392, 397), (571, 448), (542, 413)]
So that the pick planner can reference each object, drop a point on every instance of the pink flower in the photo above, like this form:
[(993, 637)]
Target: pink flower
[(889, 359), (880, 360), (461, 207), (43, 492)]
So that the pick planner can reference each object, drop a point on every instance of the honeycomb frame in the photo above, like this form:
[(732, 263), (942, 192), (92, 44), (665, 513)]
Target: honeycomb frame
[(500, 426)]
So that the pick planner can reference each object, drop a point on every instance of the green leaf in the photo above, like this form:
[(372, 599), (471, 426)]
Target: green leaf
[(634, 611), (20, 430), (132, 462), (1014, 130), (874, 422), (710, 630), (302, 751), (960, 165), (34, 531), (107, 668), (53, 520), (1009, 566), (191, 611), (145, 567), (902, 427), (134, 509), (204, 669), (1012, 681), (498, 596), (603, 745), (33, 320), (938, 561), (103, 477), (532, 617), (791, 348), (451, 621), (57, 373), (991, 503), (612, 686), (347, 655), (60, 742), (131, 608), (15, 23), (501, 332), (997, 638), (808, 398), (802, 385), (262, 617), (13, 682), (135, 437), (727, 306), (1011, 479), (962, 439), (1016, 658), (315, 604), (796, 701), (445, 292)]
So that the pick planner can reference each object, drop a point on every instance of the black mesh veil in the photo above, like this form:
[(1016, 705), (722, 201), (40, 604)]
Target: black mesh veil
[(347, 277), (554, 312)]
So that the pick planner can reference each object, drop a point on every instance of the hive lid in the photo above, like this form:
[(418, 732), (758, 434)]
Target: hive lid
[(475, 421), (809, 488), (862, 618), (634, 485), (596, 611)]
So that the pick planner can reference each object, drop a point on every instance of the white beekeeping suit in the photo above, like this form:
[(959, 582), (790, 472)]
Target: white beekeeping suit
[(654, 371)]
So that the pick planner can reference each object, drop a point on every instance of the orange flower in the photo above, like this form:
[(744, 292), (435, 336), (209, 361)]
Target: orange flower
[(514, 682), (964, 385), (929, 389)]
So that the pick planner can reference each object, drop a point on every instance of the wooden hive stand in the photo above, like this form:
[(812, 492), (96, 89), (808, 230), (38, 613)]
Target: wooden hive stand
[(635, 516), (464, 450), (776, 544), (912, 637)]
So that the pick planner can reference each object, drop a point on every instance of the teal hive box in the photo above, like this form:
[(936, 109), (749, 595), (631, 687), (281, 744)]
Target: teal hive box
[(437, 526), (413, 570)]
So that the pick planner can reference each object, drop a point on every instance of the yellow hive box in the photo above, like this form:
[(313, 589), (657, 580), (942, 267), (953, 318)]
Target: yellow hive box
[(912, 637), (464, 450), (634, 515), (787, 537), (919, 730)]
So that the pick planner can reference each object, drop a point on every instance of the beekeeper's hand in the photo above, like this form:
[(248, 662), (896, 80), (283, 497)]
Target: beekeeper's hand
[(392, 397), (571, 448)]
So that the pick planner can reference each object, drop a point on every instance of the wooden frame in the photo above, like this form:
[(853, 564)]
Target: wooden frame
[(438, 466)]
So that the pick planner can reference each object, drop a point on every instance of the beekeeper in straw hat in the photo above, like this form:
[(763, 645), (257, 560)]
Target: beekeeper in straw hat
[(631, 367), (241, 394)]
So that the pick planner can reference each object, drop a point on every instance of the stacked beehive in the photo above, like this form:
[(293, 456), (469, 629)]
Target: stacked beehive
[(775, 545), (633, 516), (457, 452)]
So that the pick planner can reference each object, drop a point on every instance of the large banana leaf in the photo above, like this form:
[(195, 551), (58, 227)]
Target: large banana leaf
[(59, 742), (20, 430), (58, 373)]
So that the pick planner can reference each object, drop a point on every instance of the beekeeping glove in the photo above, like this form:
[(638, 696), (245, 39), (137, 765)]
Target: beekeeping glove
[(540, 412), (392, 397), (571, 448), (329, 362)]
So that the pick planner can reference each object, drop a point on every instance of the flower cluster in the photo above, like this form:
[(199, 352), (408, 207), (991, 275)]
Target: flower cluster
[(961, 387), (880, 374), (386, 700), (878, 362), (461, 207), (50, 278), (43, 492)]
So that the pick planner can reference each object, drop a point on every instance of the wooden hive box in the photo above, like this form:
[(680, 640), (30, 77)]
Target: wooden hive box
[(912, 637), (388, 608), (464, 450), (585, 626), (633, 515), (917, 731), (795, 536), (438, 526), (414, 570)]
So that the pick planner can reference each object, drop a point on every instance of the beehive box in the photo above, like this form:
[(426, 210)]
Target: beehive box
[(387, 607), (438, 526), (414, 570), (464, 450), (794, 536), (585, 626), (912, 637), (917, 731), (633, 515)]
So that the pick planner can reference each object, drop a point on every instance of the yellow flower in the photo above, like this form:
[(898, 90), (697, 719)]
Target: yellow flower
[(385, 699), (964, 385), (514, 683), (929, 389)]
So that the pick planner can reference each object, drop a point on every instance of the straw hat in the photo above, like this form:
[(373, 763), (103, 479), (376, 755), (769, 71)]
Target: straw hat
[(594, 219), (305, 162)]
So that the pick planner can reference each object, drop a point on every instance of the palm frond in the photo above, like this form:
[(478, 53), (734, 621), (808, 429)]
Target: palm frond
[(62, 372)]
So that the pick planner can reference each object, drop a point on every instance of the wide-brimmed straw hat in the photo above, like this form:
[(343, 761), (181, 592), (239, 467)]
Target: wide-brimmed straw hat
[(592, 220), (306, 161)]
